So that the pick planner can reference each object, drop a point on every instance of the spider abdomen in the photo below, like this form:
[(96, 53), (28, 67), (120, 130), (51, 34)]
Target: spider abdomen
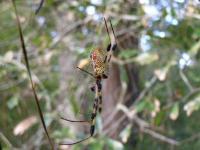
[(97, 57)]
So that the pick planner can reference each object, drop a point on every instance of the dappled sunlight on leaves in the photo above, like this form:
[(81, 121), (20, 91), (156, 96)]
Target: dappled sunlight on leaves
[(192, 105)]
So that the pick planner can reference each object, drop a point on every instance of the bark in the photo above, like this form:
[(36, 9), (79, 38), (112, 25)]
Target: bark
[(112, 90)]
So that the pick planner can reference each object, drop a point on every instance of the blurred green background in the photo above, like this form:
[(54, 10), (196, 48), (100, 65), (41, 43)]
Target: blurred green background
[(151, 99)]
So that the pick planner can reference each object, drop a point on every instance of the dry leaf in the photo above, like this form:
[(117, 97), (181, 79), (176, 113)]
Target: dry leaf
[(24, 125), (192, 105), (64, 147), (161, 74), (8, 56), (156, 108), (47, 57), (125, 133), (83, 63)]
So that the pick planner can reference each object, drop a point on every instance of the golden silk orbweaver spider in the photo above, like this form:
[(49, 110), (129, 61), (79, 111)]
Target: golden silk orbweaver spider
[(100, 59)]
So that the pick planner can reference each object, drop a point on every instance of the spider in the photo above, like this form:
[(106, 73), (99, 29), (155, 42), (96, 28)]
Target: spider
[(100, 61)]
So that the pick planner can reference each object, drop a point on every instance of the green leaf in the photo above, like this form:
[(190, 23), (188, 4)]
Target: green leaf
[(62, 133), (164, 13), (174, 112), (115, 145), (159, 118), (126, 132), (13, 102), (96, 145), (140, 106), (74, 104), (173, 12), (48, 119), (128, 53), (144, 105)]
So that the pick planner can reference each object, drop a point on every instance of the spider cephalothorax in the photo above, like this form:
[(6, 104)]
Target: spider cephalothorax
[(100, 59)]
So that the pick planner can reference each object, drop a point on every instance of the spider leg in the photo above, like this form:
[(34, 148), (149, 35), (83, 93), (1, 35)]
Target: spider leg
[(76, 141), (94, 113), (92, 122), (107, 30), (86, 72), (100, 104), (104, 76), (93, 117), (99, 94), (109, 45), (92, 127), (80, 121), (109, 58), (39, 7), (112, 45)]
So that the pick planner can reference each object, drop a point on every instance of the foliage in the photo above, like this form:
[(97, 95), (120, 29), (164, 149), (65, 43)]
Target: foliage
[(164, 52)]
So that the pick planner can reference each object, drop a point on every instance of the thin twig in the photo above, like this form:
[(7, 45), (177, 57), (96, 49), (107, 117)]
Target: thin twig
[(69, 30), (115, 125), (130, 111), (161, 137), (185, 80), (39, 7), (30, 75), (145, 127), (123, 62), (184, 99), (145, 91)]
